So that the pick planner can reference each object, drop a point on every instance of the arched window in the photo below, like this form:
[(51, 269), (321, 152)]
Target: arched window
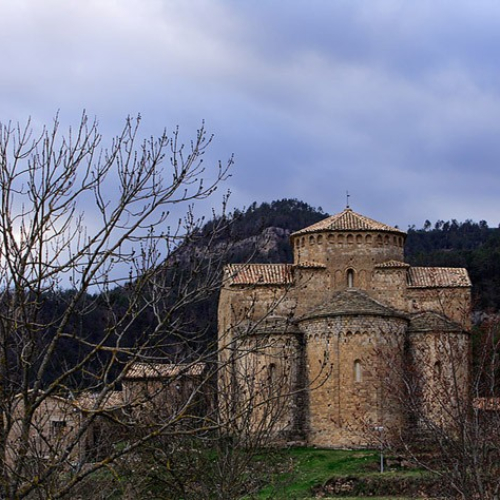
[(271, 374), (358, 371), (350, 278), (437, 371)]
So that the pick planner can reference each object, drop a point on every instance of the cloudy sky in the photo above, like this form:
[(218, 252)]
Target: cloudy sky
[(396, 101)]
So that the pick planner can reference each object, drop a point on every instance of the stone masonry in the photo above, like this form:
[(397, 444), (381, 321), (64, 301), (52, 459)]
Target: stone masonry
[(321, 350)]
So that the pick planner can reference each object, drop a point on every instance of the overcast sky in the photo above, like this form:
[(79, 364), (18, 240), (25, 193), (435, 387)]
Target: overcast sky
[(396, 101)]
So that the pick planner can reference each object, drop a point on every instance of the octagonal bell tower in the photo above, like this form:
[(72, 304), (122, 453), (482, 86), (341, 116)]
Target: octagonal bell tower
[(347, 247)]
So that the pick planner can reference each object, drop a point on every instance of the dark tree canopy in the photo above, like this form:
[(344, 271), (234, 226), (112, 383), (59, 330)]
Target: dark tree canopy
[(468, 244)]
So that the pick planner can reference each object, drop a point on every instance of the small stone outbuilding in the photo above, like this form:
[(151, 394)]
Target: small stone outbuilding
[(161, 393), (86, 427), (322, 350)]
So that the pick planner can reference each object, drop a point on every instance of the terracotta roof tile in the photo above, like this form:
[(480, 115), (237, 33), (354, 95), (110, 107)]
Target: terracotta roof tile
[(348, 220), (392, 264), (487, 404), (430, 321), (311, 265), (259, 274), (352, 302), (270, 325), (438, 277), (87, 401), (161, 370)]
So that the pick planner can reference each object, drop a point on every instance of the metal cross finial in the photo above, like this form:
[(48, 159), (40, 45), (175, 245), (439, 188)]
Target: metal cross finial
[(347, 196)]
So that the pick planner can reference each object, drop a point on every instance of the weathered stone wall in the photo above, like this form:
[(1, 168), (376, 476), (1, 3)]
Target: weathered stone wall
[(389, 287), (351, 361), (54, 427), (347, 378), (339, 252), (252, 303), (158, 399), (455, 303), (243, 310), (438, 373), (264, 396), (312, 287)]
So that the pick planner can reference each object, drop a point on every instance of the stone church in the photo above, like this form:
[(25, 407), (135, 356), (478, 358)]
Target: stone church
[(330, 349)]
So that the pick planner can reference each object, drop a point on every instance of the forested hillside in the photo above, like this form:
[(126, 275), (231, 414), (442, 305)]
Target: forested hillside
[(261, 234), (467, 244)]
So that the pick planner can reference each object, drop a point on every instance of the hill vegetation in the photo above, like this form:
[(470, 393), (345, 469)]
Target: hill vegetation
[(468, 244), (261, 234)]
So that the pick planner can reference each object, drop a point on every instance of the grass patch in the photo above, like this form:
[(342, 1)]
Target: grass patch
[(271, 474), (309, 467)]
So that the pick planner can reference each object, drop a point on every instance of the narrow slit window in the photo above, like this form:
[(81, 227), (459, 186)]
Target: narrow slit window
[(437, 370), (271, 374), (358, 371), (350, 278), (58, 428)]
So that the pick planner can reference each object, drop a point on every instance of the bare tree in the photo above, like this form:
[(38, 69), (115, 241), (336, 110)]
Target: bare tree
[(233, 459), (91, 283), (454, 413)]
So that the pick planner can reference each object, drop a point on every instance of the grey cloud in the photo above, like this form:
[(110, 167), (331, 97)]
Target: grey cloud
[(396, 101)]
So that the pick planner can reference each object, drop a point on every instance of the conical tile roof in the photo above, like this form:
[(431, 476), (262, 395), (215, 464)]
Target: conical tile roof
[(430, 321), (348, 220), (352, 302)]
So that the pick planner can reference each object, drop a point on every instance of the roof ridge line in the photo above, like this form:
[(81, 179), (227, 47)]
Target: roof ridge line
[(348, 220)]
